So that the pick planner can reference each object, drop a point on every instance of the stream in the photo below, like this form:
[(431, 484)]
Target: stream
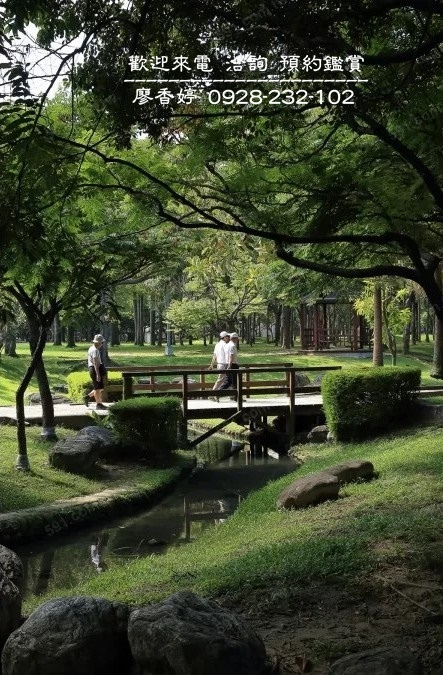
[(226, 472)]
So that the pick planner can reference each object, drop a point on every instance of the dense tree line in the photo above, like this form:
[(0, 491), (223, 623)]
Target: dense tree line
[(95, 190)]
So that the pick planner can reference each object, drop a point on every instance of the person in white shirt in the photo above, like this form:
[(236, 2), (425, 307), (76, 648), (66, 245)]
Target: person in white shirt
[(220, 359), (97, 372), (232, 358)]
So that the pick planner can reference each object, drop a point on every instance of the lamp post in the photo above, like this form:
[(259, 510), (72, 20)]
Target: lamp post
[(169, 331)]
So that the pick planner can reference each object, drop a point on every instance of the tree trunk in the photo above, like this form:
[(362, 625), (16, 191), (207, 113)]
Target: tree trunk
[(437, 361), (428, 322), (56, 331), (139, 332), (70, 337), (406, 339), (293, 327), (250, 341), (160, 328), (278, 313), (48, 417), (409, 304), (286, 327), (377, 353), (114, 334), (22, 462), (10, 341), (418, 323), (413, 319), (152, 327), (392, 342)]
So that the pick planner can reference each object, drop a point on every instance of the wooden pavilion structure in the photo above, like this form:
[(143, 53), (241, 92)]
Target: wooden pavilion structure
[(332, 323)]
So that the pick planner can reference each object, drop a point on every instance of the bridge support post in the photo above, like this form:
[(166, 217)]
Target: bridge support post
[(290, 418), (182, 432), (128, 391)]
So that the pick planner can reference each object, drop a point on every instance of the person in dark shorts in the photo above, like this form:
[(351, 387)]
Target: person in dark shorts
[(232, 357), (97, 372)]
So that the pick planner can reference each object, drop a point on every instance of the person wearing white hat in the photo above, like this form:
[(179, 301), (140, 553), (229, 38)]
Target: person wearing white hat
[(220, 359), (232, 359), (97, 372)]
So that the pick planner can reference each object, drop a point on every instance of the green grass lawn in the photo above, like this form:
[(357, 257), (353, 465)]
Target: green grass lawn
[(44, 485), (60, 361), (394, 517)]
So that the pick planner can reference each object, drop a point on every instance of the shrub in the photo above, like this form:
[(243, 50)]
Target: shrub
[(148, 423), (80, 384), (359, 404)]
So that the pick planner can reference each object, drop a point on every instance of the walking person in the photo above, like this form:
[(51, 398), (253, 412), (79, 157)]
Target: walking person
[(232, 356), (104, 356), (97, 372), (220, 360)]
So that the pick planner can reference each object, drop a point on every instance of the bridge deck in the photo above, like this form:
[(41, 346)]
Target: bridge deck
[(206, 409), (197, 409)]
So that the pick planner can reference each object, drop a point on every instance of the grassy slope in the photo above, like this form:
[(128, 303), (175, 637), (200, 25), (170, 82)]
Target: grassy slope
[(60, 361), (397, 515), (44, 485)]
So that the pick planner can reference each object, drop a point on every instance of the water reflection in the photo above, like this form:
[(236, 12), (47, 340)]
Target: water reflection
[(205, 500), (98, 547)]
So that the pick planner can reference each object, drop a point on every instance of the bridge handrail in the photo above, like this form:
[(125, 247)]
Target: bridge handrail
[(271, 369), (155, 369)]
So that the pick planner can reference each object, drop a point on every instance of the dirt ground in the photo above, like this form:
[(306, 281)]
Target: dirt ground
[(307, 629)]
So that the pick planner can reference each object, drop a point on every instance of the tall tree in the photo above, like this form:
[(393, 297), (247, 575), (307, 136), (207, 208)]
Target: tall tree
[(350, 190)]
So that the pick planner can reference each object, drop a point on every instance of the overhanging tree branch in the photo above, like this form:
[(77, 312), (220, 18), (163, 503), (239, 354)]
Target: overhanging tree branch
[(362, 273)]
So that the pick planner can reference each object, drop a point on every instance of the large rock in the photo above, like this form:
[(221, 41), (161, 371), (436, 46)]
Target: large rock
[(12, 566), (71, 636), (77, 455), (318, 434), (10, 607), (382, 661), (301, 380), (318, 487), (9, 422), (355, 469), (35, 399), (102, 437), (189, 635)]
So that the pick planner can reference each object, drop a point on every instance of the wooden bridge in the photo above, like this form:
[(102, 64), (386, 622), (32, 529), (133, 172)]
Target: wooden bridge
[(256, 397)]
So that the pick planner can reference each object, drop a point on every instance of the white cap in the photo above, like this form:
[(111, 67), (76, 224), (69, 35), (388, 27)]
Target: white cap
[(231, 335), (98, 338), (223, 334)]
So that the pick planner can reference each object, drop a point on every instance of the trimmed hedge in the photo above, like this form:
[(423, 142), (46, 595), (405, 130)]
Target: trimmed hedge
[(360, 404), (149, 424), (80, 384)]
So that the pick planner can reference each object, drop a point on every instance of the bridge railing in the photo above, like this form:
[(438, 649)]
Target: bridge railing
[(246, 385), (154, 384)]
